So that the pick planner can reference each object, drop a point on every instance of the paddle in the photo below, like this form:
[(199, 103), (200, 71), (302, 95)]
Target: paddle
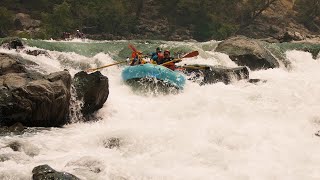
[(189, 55), (135, 50), (94, 69), (132, 48)]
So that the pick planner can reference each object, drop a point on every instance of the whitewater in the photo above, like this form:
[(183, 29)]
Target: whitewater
[(240, 131)]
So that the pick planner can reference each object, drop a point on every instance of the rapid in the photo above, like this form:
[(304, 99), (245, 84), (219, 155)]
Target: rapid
[(240, 131)]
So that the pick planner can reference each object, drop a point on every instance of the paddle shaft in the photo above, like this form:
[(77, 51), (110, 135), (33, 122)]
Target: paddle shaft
[(189, 55), (172, 61), (94, 69)]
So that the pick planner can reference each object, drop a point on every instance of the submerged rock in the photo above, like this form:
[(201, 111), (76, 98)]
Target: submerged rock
[(212, 74), (31, 98), (37, 52), (248, 52), (87, 166), (93, 89), (26, 147), (112, 142), (255, 81), (46, 172)]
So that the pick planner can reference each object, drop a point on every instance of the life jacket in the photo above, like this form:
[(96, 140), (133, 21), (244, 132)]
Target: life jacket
[(136, 59), (133, 54), (160, 56)]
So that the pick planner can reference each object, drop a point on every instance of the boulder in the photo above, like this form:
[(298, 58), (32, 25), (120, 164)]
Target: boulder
[(46, 172), (9, 65), (16, 129), (93, 89), (24, 21), (204, 74), (12, 43), (37, 52), (31, 98), (248, 52), (289, 36)]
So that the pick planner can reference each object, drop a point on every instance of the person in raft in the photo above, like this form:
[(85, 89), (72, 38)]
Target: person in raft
[(157, 56), (166, 61), (136, 58)]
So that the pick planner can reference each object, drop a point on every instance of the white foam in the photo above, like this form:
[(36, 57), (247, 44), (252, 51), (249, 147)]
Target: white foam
[(237, 131)]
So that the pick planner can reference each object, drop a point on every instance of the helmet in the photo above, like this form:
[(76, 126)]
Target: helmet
[(166, 51), (158, 49)]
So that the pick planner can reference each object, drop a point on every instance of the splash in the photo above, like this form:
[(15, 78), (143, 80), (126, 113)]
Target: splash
[(237, 131)]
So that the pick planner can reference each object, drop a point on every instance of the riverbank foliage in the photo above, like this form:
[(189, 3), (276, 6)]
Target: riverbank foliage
[(206, 19)]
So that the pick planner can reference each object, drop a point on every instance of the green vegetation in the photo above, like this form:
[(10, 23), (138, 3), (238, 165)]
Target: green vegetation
[(309, 13), (6, 22), (205, 19)]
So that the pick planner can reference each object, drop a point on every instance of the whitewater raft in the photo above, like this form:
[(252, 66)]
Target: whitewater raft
[(153, 74)]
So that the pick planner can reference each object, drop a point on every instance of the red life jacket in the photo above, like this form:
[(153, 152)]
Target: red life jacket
[(133, 55), (160, 57)]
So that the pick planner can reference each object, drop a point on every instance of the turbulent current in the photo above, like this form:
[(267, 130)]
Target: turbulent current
[(239, 131)]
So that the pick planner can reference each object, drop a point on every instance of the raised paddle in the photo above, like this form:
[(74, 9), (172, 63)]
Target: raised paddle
[(94, 69), (189, 55), (132, 48)]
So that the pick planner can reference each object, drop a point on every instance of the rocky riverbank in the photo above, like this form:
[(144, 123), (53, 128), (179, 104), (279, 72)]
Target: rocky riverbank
[(276, 22), (40, 100)]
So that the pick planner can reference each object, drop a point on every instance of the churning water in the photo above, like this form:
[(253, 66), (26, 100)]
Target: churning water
[(239, 131)]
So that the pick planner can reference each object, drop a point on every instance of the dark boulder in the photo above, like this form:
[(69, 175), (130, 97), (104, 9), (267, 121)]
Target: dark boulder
[(289, 36), (46, 172), (93, 89), (12, 43), (212, 74), (16, 129), (10, 65), (256, 81), (31, 98), (37, 52), (248, 52), (112, 142)]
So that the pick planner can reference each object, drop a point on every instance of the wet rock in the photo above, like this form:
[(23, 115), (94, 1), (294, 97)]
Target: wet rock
[(15, 146), (112, 143), (31, 98), (248, 52), (4, 157), (204, 74), (26, 147), (89, 164), (289, 36), (37, 52), (12, 43), (9, 65), (255, 81), (93, 89), (19, 158), (46, 172), (16, 127)]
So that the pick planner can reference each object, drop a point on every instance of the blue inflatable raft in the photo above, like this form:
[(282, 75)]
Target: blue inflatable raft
[(152, 71)]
